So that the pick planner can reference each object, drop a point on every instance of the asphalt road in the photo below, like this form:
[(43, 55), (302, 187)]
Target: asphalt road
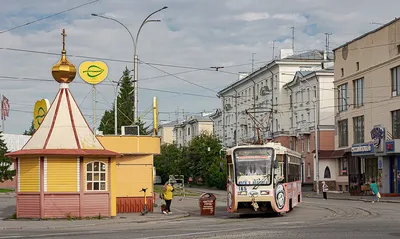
[(315, 218)]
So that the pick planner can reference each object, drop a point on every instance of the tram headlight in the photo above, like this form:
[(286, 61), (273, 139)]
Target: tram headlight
[(242, 193)]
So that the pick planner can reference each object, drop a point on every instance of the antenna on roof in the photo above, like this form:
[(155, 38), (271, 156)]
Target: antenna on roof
[(292, 39)]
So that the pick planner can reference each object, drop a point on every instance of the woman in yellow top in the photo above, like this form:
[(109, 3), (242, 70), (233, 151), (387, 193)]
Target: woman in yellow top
[(168, 189)]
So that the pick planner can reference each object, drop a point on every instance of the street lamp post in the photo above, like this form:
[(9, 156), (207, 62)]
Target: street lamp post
[(136, 58)]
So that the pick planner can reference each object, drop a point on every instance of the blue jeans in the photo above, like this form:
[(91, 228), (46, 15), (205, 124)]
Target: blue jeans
[(374, 197)]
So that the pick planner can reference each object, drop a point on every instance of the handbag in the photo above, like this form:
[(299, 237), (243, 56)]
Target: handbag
[(379, 195), (162, 196)]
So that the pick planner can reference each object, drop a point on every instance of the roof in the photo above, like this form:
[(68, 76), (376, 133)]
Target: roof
[(168, 124), (308, 56), (366, 34), (15, 142), (305, 74), (64, 131)]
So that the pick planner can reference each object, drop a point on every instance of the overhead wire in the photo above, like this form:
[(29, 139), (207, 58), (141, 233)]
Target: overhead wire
[(47, 17)]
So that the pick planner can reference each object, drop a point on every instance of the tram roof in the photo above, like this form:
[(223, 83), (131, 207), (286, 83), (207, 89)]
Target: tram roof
[(277, 146)]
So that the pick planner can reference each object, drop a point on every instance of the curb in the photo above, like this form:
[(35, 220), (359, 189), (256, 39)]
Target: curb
[(353, 199), (112, 221)]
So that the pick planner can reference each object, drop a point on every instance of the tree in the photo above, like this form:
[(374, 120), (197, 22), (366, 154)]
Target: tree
[(5, 163), (31, 130), (125, 114)]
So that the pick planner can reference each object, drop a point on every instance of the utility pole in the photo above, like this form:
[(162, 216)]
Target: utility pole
[(292, 38), (273, 49), (252, 62)]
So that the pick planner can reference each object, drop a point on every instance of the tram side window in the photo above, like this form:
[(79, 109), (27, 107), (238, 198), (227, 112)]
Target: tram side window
[(294, 172)]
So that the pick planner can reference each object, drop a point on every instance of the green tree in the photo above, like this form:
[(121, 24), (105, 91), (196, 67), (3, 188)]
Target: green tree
[(167, 163), (31, 130), (5, 163), (125, 112)]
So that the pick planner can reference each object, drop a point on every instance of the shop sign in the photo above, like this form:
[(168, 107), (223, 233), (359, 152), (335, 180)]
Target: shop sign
[(362, 149), (377, 134), (390, 146)]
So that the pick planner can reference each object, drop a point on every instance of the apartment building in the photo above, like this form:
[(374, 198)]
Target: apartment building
[(311, 106), (216, 118), (166, 132), (264, 100), (367, 83), (185, 131)]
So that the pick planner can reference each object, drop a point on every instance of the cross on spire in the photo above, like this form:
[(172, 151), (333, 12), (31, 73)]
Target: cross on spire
[(64, 35)]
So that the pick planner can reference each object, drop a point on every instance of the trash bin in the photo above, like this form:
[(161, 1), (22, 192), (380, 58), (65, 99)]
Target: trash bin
[(207, 204)]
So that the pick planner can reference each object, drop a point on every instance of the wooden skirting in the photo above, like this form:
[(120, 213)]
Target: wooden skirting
[(133, 204)]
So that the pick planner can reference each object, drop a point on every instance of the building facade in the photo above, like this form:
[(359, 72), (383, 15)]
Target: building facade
[(271, 103), (185, 131), (311, 103), (216, 118), (166, 132), (367, 89)]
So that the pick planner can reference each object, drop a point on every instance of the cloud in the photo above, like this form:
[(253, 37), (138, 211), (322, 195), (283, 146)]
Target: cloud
[(193, 34)]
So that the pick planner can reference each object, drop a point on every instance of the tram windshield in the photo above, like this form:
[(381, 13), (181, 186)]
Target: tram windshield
[(253, 166)]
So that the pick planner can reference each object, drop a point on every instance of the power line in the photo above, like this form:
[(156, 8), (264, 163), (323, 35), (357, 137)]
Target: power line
[(13, 78), (47, 17), (177, 77)]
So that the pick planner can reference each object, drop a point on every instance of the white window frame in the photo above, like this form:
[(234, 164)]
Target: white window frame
[(102, 169)]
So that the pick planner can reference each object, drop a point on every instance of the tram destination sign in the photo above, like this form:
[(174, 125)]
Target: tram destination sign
[(245, 152)]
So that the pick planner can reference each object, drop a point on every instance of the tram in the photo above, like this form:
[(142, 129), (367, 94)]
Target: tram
[(263, 179)]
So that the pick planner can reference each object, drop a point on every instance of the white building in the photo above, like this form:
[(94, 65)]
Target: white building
[(166, 132), (311, 94), (261, 94), (188, 129), (216, 118)]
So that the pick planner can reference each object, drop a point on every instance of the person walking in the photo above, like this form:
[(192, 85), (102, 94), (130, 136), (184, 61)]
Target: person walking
[(324, 190), (375, 191), (168, 189)]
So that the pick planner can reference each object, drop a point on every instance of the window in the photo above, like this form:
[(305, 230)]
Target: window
[(96, 176), (359, 92), (308, 95), (277, 126), (342, 97), (290, 101), (302, 97), (343, 166), (188, 131), (308, 117), (398, 49), (327, 173), (358, 66), (291, 122), (343, 133), (276, 82), (302, 118), (315, 92), (342, 72), (358, 127), (302, 145), (309, 170), (396, 124), (395, 81), (308, 144)]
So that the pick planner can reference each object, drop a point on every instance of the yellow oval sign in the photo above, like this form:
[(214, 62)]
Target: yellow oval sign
[(39, 112), (93, 72)]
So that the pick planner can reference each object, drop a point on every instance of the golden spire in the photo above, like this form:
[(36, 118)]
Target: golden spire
[(63, 71)]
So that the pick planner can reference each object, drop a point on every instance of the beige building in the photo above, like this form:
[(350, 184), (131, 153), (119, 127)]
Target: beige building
[(188, 129), (166, 132), (367, 89)]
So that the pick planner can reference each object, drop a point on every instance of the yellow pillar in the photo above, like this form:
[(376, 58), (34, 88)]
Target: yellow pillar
[(113, 186)]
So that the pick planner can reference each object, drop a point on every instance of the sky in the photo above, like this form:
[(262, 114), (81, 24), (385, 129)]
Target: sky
[(176, 53)]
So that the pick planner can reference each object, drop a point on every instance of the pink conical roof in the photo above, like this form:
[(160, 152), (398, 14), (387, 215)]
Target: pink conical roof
[(64, 131)]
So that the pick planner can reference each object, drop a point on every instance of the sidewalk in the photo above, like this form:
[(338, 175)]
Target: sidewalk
[(346, 196), (7, 208)]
